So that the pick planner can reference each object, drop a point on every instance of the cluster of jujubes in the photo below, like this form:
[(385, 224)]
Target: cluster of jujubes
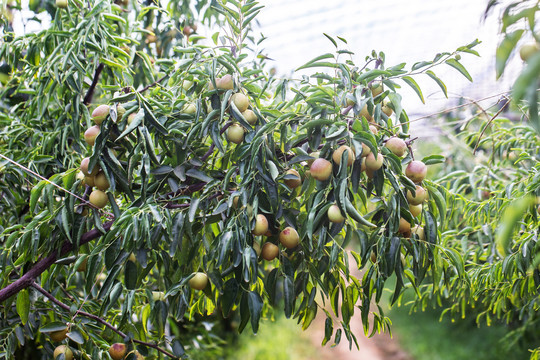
[(95, 177), (415, 170)]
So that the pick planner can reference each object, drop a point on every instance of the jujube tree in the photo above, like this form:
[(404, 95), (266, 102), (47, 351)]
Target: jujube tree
[(152, 175)]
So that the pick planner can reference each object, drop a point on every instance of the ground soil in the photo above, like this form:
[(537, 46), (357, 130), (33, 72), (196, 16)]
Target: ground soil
[(378, 347)]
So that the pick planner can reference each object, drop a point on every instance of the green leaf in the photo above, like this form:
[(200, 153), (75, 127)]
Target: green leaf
[(328, 330), (433, 159), (230, 291), (421, 64), (430, 228), (149, 116), (36, 193), (52, 327), (372, 74), (23, 305), (130, 275), (352, 212), (255, 304), (331, 39), (457, 65), (528, 78), (193, 209), (412, 83), (75, 336), (512, 215), (439, 82), (318, 64), (288, 295), (197, 174), (504, 50)]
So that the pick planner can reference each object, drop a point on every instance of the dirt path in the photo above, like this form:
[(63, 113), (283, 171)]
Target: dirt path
[(378, 347)]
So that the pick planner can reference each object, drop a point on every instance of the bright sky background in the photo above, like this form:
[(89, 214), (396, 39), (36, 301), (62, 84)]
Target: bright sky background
[(407, 31)]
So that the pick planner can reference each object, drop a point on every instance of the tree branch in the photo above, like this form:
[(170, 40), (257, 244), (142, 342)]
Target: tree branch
[(98, 319), (90, 93), (28, 278), (154, 83)]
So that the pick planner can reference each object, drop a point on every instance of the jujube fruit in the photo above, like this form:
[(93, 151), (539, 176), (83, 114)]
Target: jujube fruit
[(63, 349), (120, 111), (118, 351), (416, 171), (189, 109), (269, 251), (199, 281), (366, 150), (404, 227), (372, 163), (98, 198), (261, 225), (235, 133), (101, 181), (130, 118), (376, 88), (336, 156), (187, 84), (91, 134), (321, 169), (415, 210), (528, 50), (418, 197), (100, 113), (83, 264), (386, 109), (250, 116), (225, 83), (84, 168), (58, 335), (90, 181), (334, 214), (293, 183), (61, 4), (396, 146), (289, 238), (419, 231), (365, 113), (241, 101)]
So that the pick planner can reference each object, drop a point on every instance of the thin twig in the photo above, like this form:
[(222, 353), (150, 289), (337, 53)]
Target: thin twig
[(487, 125), (208, 153), (154, 83), (98, 319), (88, 98)]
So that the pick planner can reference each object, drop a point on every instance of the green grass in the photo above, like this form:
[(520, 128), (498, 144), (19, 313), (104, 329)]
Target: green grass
[(425, 338), (281, 339)]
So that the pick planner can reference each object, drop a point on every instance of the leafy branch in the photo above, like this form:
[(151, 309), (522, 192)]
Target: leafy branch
[(98, 319), (29, 277)]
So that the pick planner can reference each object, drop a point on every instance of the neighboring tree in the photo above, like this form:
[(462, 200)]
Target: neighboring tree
[(491, 188), (153, 177)]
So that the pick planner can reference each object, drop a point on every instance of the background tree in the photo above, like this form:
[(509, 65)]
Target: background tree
[(491, 191)]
